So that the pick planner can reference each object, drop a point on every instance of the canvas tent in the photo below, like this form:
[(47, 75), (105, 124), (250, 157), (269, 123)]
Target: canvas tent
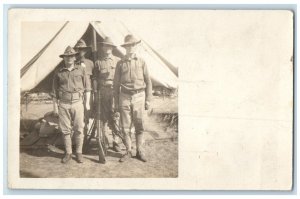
[(36, 74)]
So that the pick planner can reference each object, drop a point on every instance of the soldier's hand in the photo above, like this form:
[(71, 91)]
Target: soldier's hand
[(147, 105), (55, 107), (112, 109), (87, 106), (115, 109), (116, 115), (55, 113)]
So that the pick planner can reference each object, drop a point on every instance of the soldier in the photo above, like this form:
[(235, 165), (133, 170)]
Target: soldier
[(132, 91), (82, 49), (70, 84), (103, 76)]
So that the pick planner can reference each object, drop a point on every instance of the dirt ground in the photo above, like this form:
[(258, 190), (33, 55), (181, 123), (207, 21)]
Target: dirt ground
[(161, 148)]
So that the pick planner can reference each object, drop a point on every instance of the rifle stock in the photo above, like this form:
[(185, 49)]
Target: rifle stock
[(100, 137)]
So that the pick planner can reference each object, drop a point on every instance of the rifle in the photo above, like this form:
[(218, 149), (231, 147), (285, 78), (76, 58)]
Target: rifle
[(89, 133), (100, 138), (97, 96), (115, 125)]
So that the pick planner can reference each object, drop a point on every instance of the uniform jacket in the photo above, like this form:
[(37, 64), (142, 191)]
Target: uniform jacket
[(74, 81), (132, 74)]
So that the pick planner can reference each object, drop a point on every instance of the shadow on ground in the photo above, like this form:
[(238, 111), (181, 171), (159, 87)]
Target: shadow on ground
[(44, 163)]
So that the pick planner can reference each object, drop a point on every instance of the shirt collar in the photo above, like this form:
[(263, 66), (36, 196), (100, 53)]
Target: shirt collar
[(74, 67), (81, 60), (126, 58), (108, 57)]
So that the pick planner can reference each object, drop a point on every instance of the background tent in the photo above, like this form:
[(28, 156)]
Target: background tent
[(36, 74)]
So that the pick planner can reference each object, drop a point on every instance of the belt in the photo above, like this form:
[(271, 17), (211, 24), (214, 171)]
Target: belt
[(131, 92), (69, 97), (106, 82), (106, 86)]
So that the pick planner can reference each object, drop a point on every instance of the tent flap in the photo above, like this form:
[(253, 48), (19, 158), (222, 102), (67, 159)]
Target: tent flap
[(47, 59)]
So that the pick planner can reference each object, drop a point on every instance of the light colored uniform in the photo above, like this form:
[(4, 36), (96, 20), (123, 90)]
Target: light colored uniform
[(132, 87)]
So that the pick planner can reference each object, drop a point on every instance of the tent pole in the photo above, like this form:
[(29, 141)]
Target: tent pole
[(94, 36)]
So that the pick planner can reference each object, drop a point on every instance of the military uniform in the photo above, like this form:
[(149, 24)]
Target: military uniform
[(69, 86), (89, 67), (132, 88), (103, 76), (105, 71)]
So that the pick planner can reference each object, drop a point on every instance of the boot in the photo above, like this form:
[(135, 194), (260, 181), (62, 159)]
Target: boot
[(79, 157), (127, 143), (126, 156), (79, 142), (67, 158), (68, 143), (105, 140), (139, 147), (141, 156), (116, 147)]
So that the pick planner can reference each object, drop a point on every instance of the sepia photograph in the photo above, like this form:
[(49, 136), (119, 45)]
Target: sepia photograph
[(95, 97), (151, 99)]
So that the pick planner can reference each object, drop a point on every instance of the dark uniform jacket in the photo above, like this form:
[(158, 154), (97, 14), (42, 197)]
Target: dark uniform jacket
[(87, 64), (104, 71), (70, 84)]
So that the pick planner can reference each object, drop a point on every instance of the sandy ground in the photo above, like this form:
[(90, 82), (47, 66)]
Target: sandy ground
[(161, 148), (44, 163)]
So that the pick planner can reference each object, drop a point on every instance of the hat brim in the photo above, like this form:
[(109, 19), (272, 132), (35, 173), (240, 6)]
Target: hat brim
[(68, 55), (131, 43), (108, 44), (83, 48)]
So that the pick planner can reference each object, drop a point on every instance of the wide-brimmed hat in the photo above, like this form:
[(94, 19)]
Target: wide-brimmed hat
[(81, 45), (130, 40), (107, 41), (69, 52)]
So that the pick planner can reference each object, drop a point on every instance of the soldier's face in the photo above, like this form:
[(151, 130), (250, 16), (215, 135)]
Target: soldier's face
[(81, 53), (107, 49), (130, 49), (69, 60)]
